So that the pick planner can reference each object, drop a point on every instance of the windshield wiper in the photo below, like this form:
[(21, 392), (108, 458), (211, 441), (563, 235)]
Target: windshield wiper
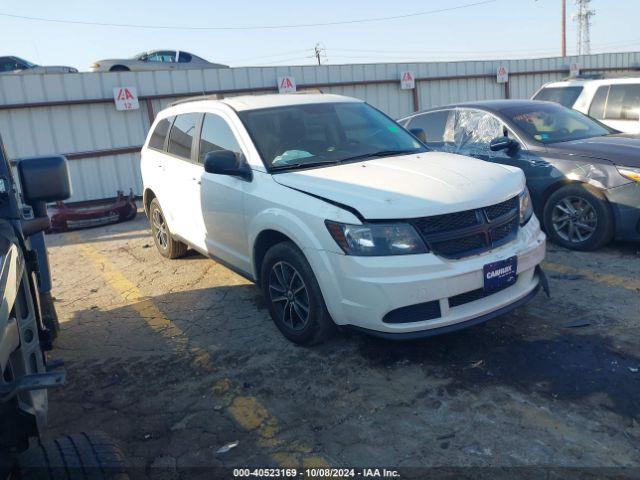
[(379, 154), (303, 165)]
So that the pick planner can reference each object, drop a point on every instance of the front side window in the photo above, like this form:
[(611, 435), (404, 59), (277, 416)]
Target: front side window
[(216, 135), (623, 102), (160, 133), (161, 57), (471, 131), (181, 135), (565, 96), (299, 136), (8, 64), (433, 125), (553, 123)]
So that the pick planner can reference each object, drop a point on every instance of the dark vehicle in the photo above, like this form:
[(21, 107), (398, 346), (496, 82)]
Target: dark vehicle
[(26, 309), (584, 177), (13, 64)]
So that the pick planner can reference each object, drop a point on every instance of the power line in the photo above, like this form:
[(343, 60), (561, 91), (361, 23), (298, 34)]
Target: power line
[(258, 57), (248, 27)]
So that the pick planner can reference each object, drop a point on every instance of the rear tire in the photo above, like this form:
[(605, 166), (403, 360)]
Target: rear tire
[(578, 218), (77, 456), (165, 243), (293, 296)]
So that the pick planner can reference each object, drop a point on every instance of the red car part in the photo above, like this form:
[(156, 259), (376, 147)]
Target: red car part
[(64, 217)]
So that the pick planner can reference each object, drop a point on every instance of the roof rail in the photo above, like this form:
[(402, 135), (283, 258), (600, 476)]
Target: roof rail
[(606, 75), (194, 98)]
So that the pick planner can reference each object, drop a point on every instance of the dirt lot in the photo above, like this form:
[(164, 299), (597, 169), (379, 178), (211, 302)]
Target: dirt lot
[(175, 359)]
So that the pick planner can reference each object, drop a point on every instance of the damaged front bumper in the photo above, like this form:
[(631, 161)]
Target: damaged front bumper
[(64, 217)]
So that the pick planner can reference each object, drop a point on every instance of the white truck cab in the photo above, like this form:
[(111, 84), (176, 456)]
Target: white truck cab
[(613, 101), (340, 215)]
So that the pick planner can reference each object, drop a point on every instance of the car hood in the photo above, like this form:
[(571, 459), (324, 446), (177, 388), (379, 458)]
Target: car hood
[(619, 149), (409, 186)]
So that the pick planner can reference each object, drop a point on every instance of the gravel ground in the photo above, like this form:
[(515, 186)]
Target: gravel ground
[(177, 358)]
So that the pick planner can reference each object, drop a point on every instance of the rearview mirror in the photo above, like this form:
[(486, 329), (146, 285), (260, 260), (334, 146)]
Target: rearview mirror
[(226, 162), (44, 179), (419, 134), (503, 143)]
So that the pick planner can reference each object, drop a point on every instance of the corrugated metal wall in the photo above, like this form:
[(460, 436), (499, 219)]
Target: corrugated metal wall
[(75, 114)]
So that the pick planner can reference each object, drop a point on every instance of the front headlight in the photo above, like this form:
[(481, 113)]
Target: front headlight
[(374, 239), (526, 207), (95, 65), (630, 172)]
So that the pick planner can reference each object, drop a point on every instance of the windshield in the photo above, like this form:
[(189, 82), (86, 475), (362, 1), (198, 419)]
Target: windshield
[(566, 96), (26, 62), (549, 123), (300, 136)]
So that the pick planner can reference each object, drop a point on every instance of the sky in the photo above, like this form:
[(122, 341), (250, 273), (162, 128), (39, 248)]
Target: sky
[(491, 30)]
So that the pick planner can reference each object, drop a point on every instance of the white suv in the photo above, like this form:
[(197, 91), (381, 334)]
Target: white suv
[(613, 101), (340, 215)]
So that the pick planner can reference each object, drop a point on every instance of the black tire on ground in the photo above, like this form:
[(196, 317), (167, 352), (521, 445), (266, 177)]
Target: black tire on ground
[(590, 209), (49, 315), (166, 245), (317, 325), (119, 68), (78, 456)]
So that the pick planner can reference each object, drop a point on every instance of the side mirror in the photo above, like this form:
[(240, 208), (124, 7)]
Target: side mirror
[(226, 162), (503, 143), (44, 179), (419, 134)]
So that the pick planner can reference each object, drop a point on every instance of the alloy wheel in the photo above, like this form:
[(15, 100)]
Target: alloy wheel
[(289, 295), (574, 219), (160, 229)]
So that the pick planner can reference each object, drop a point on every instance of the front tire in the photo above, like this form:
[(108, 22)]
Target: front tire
[(293, 296), (578, 218), (80, 455), (165, 243)]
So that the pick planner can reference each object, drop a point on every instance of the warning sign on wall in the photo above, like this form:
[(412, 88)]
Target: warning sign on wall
[(503, 74), (407, 81), (126, 98), (286, 84), (574, 69)]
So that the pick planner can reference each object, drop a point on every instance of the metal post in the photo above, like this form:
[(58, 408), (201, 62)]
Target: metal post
[(564, 28)]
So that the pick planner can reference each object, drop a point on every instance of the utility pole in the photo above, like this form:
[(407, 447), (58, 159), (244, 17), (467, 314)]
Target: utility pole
[(583, 17), (318, 53), (564, 29)]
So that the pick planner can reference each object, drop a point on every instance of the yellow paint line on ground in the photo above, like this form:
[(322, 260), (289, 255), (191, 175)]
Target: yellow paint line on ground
[(606, 278), (248, 412)]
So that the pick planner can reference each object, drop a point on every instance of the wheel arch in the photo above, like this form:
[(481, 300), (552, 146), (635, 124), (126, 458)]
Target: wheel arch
[(554, 187), (119, 68), (147, 196), (264, 241)]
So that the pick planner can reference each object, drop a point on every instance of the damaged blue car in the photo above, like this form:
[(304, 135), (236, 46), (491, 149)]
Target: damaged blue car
[(583, 176)]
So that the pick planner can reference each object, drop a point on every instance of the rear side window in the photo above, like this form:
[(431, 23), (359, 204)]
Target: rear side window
[(160, 133), (216, 135), (623, 102), (566, 96), (433, 124), (184, 57), (181, 135), (599, 102)]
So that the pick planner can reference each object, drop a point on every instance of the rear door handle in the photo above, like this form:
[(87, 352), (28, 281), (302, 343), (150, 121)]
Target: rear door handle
[(197, 180)]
